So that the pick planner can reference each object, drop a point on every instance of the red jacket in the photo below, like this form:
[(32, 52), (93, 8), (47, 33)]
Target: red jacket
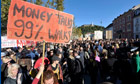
[(39, 62), (35, 81)]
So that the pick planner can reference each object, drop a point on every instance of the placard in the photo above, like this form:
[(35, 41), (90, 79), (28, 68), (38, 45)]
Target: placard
[(28, 21)]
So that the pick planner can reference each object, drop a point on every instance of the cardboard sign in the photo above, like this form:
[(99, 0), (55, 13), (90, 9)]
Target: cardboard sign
[(6, 43), (27, 21)]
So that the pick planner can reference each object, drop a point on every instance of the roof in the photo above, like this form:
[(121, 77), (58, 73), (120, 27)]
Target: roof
[(132, 9), (136, 7), (110, 25), (137, 12)]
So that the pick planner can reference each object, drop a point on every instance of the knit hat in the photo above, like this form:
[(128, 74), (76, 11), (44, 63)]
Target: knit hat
[(54, 58)]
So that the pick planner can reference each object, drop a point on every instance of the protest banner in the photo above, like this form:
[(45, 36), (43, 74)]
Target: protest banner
[(28, 21), (21, 43), (31, 43), (98, 35), (6, 43)]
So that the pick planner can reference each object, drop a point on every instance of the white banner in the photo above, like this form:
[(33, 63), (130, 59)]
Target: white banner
[(6, 43), (98, 35)]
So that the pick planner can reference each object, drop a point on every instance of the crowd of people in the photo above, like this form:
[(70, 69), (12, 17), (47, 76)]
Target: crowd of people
[(104, 61)]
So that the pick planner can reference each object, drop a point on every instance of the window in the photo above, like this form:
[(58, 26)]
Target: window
[(128, 18), (123, 28), (137, 24), (123, 35), (123, 20), (129, 35), (120, 21), (129, 27)]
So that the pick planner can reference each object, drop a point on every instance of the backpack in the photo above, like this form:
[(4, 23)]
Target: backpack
[(78, 66)]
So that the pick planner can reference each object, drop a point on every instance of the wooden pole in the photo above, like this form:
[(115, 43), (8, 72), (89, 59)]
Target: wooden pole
[(43, 59)]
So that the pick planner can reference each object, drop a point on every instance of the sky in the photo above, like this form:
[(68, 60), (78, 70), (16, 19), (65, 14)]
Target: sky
[(98, 12)]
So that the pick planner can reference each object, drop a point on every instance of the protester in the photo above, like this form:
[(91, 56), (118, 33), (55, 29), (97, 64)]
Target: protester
[(107, 66), (48, 76), (78, 69), (50, 56), (97, 54), (56, 68), (136, 62), (136, 66), (109, 61), (13, 76), (39, 61), (7, 61), (82, 55)]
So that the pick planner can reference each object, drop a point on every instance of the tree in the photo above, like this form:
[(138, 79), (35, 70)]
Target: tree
[(90, 29), (76, 32), (60, 5), (79, 32), (4, 14), (39, 2), (31, 1), (55, 4), (51, 4), (47, 4)]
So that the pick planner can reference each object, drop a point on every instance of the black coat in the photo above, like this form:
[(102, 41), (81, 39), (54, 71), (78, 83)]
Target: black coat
[(10, 81), (76, 71), (4, 72)]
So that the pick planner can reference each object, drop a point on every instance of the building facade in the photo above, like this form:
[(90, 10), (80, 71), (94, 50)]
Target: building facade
[(123, 24), (108, 32), (136, 22)]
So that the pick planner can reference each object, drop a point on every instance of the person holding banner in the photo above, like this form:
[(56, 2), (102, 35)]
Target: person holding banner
[(56, 68), (48, 76)]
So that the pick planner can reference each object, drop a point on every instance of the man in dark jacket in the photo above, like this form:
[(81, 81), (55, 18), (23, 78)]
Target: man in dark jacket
[(82, 54), (78, 70)]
